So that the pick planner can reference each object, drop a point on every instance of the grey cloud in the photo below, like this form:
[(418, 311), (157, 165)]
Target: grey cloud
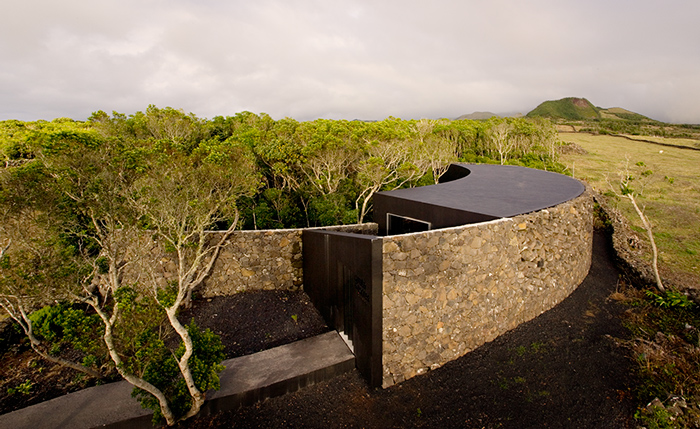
[(350, 59)]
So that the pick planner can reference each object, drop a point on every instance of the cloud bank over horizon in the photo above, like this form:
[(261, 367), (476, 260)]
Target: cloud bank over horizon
[(347, 60)]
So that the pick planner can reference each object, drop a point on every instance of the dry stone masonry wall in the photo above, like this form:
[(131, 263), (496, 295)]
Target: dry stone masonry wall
[(448, 291), (267, 259)]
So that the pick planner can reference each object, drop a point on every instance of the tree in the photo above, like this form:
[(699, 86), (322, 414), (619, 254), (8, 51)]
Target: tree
[(180, 197), (125, 200), (461, 134), (329, 154), (624, 189), (30, 272), (280, 152), (434, 151), (33, 265), (95, 175), (547, 138), (387, 163), (500, 139)]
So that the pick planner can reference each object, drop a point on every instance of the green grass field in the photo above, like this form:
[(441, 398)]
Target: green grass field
[(670, 197), (680, 142)]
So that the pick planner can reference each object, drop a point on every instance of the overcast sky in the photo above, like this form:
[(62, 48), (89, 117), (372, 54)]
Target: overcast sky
[(349, 59)]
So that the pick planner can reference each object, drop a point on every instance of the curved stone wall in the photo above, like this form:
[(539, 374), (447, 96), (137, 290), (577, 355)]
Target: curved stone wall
[(448, 291)]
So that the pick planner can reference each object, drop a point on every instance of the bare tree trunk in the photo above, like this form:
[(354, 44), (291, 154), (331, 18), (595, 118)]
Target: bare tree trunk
[(187, 283), (4, 249), (365, 202), (655, 252), (306, 211), (183, 362), (132, 379)]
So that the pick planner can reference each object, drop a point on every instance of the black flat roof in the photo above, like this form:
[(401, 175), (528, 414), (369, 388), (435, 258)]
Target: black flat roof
[(495, 190)]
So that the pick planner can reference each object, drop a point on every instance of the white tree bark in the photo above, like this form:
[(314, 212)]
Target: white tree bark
[(654, 250), (131, 378), (625, 191)]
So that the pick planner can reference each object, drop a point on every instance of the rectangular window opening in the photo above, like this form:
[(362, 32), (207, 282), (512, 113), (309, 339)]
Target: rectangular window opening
[(396, 224)]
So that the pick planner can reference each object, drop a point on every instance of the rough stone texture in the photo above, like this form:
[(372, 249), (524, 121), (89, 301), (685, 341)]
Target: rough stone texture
[(448, 291), (267, 259), (629, 248), (250, 260)]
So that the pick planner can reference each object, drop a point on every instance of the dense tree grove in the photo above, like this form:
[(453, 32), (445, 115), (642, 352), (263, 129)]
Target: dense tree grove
[(84, 203), (318, 172)]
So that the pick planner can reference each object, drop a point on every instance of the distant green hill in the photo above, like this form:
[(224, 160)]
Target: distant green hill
[(478, 116), (620, 113), (580, 109), (570, 108)]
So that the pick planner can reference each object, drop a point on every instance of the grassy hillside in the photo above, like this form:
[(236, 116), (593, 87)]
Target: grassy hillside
[(622, 114), (671, 193), (580, 109), (570, 108)]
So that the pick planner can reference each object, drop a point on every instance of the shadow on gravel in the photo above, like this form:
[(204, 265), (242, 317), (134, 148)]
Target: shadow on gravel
[(560, 370)]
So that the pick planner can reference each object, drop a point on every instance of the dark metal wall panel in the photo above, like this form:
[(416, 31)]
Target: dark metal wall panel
[(343, 278), (438, 216)]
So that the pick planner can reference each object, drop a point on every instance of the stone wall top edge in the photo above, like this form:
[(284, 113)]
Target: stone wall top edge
[(287, 230), (450, 229), (587, 193)]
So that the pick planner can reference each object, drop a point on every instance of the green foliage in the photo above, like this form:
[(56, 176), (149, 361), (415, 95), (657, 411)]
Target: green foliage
[(102, 264), (331, 210), (473, 158), (24, 388), (665, 328), (167, 296), (162, 371), (19, 140), (142, 328), (670, 299), (290, 155), (656, 418), (64, 325)]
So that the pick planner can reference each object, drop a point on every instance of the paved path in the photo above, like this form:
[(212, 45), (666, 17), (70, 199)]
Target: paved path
[(245, 380)]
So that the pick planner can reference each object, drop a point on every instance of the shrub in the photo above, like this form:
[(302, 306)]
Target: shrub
[(162, 371), (63, 325)]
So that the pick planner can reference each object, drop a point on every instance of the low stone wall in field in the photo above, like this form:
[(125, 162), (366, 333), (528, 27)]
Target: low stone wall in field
[(448, 291), (266, 259)]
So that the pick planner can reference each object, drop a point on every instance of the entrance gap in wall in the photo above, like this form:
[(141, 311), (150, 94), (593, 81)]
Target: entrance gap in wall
[(396, 224), (343, 278), (346, 322)]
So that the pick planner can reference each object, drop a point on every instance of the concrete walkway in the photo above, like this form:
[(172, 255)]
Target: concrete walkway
[(246, 380)]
